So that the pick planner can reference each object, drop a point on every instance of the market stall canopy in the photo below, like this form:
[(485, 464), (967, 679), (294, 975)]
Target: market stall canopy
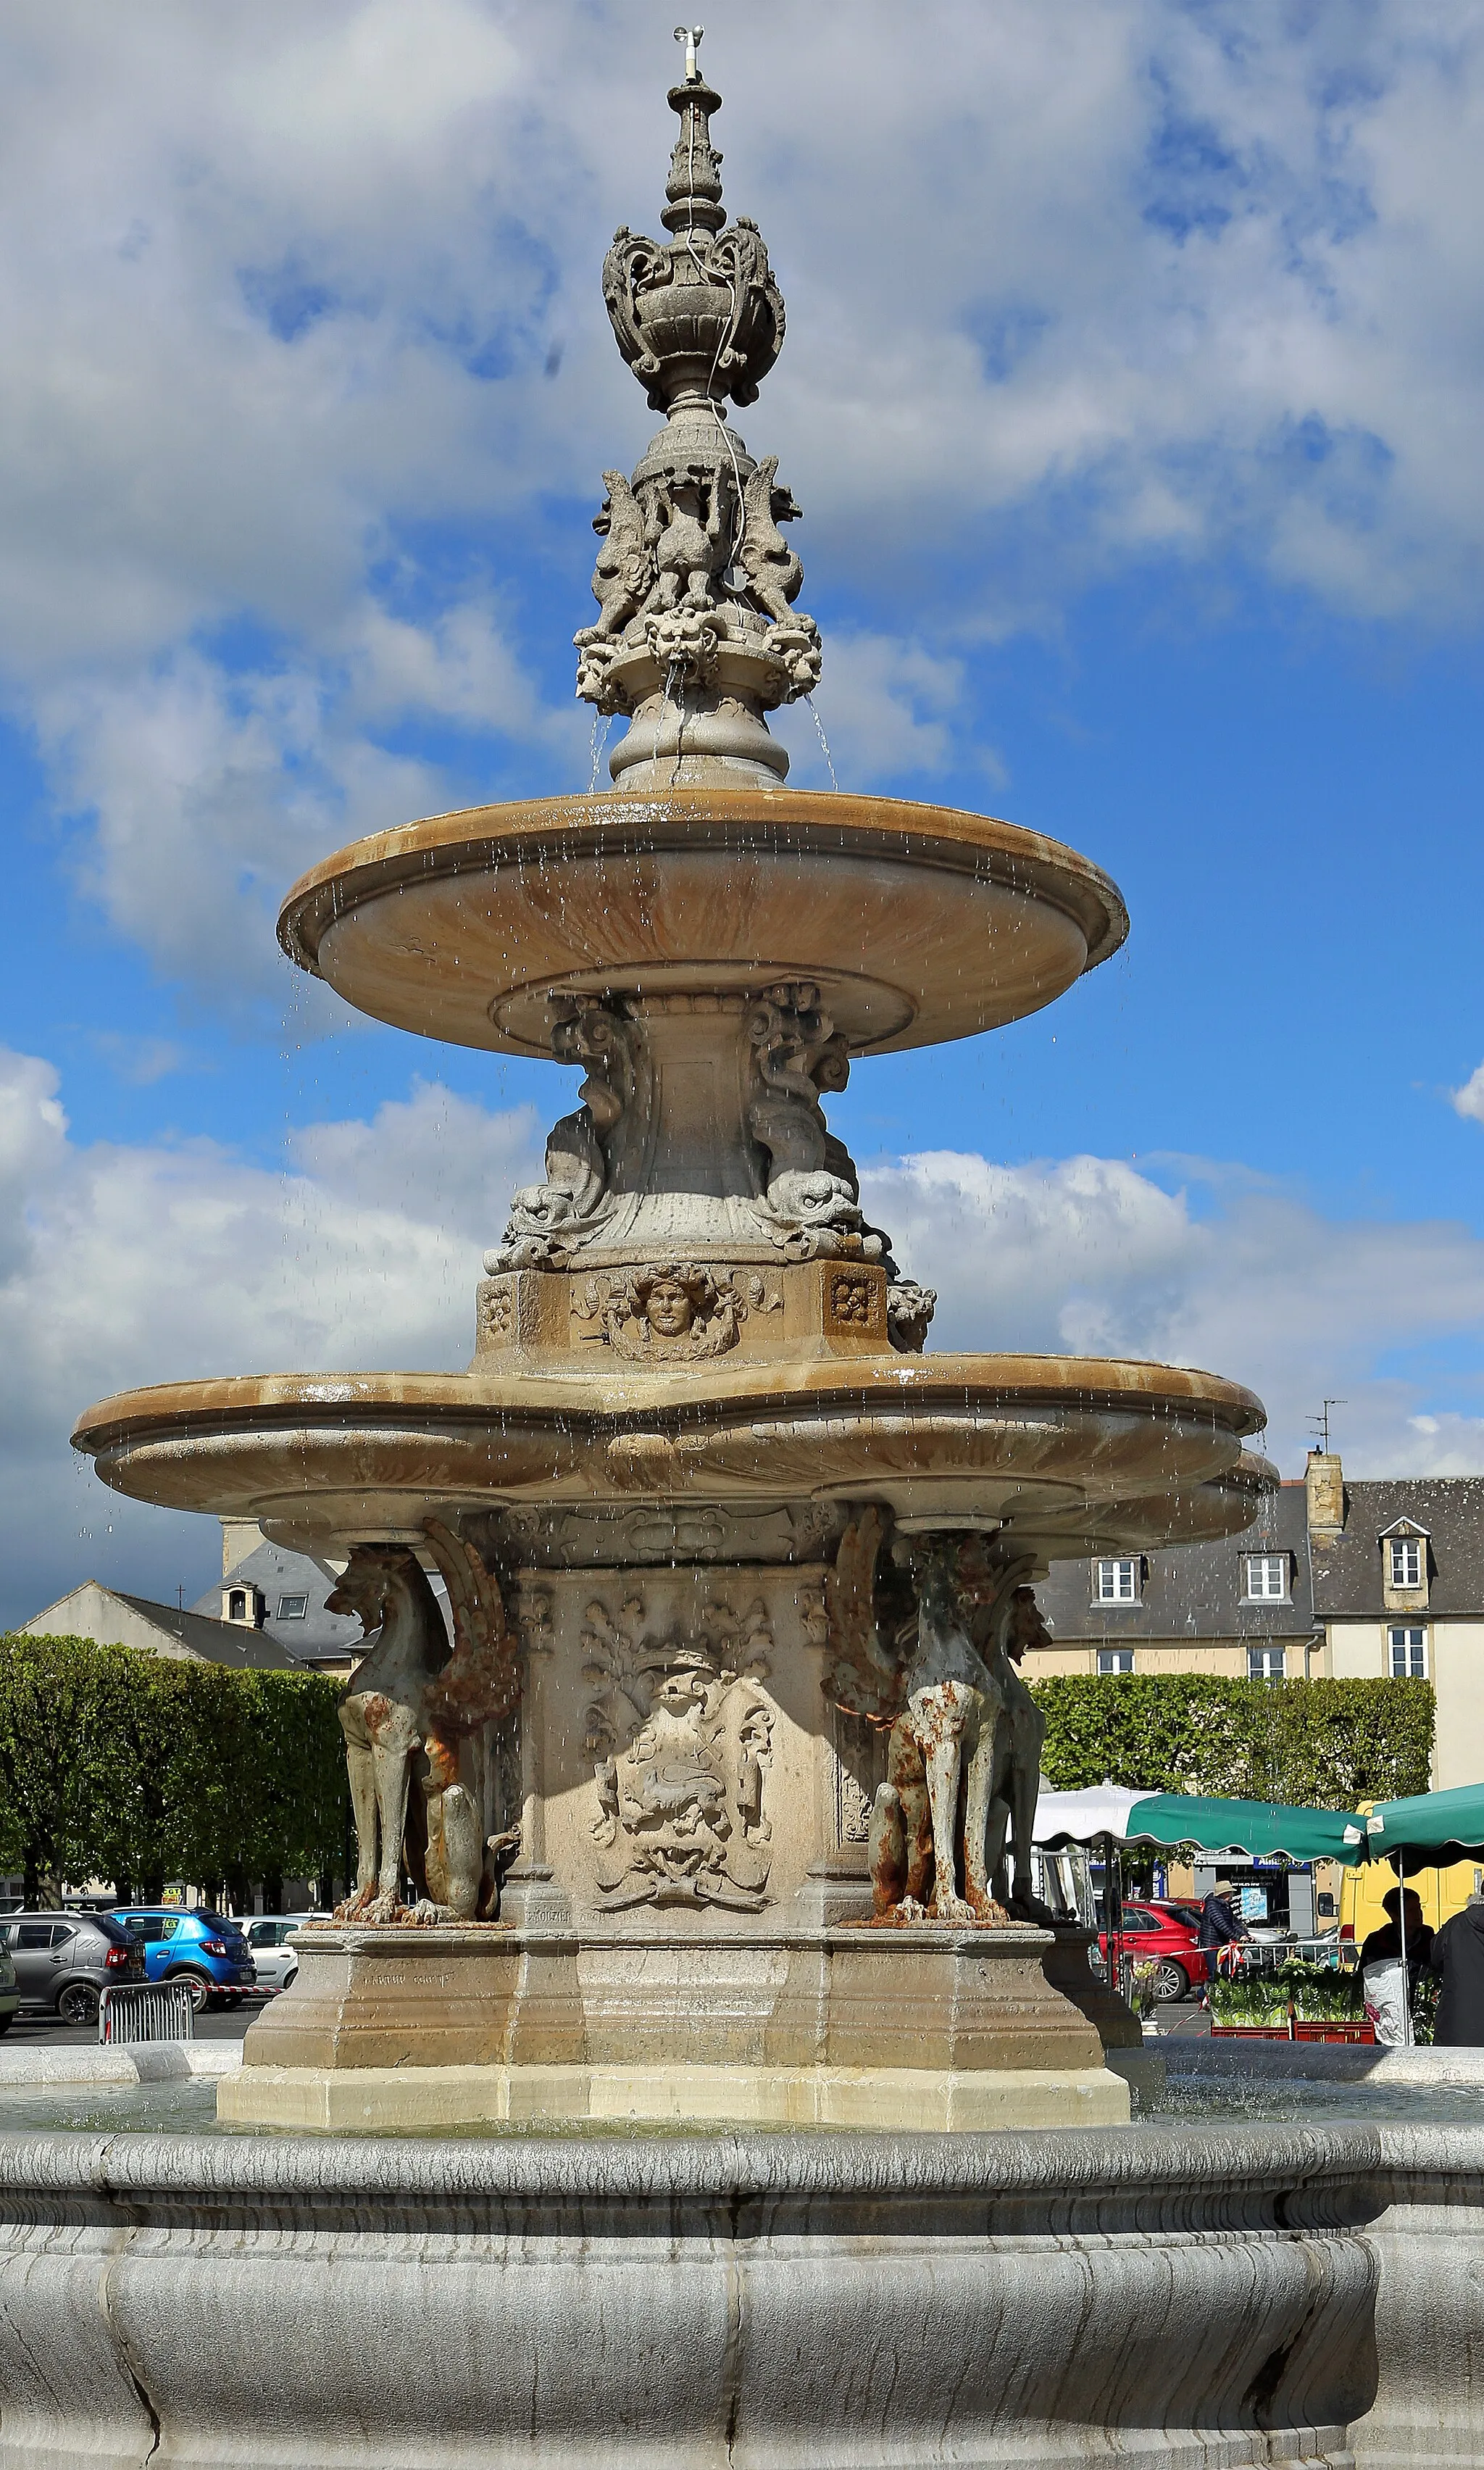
[(1429, 1831), (1262, 1829), (1082, 1817)]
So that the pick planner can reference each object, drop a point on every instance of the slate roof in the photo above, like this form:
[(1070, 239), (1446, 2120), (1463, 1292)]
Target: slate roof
[(322, 1636), (1193, 1590), (212, 1639), (1349, 1572)]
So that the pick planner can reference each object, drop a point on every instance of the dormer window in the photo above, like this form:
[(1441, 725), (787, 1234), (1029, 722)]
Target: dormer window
[(1117, 1583), (245, 1604), (1267, 1577), (1404, 1566), (1407, 1560)]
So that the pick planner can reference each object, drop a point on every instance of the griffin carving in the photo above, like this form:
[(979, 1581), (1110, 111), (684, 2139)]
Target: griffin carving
[(414, 1705), (920, 1645), (625, 566), (774, 573)]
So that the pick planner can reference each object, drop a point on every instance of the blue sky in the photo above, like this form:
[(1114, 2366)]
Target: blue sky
[(1131, 394)]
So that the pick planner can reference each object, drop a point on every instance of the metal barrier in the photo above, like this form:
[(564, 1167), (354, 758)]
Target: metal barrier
[(1266, 1955), (146, 2011)]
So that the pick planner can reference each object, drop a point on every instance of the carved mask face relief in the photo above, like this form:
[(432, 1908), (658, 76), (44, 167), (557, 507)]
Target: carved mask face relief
[(668, 1308)]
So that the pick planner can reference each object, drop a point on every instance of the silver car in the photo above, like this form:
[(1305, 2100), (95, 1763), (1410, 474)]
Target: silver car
[(275, 1960)]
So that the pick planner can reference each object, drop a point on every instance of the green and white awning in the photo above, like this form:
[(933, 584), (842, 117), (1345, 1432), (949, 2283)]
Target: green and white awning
[(1429, 1831), (1259, 1830)]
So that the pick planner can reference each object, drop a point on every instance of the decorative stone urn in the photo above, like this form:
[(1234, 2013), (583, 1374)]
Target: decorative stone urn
[(717, 1804)]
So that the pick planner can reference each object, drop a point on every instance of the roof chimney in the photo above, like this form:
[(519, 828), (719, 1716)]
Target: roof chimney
[(240, 1536), (1324, 1483)]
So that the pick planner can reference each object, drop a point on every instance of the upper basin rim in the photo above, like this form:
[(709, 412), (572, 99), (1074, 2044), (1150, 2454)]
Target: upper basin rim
[(924, 1380), (442, 844)]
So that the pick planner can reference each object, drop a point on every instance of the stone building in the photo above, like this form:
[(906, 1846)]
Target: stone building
[(282, 1595), (1399, 1587), (112, 1618), (1243, 1606), (1366, 1579)]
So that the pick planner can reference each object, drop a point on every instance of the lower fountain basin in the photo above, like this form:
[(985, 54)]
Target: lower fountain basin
[(1163, 2297), (1077, 1455)]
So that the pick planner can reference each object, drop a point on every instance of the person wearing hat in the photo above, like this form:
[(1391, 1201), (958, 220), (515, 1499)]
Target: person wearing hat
[(1220, 1926)]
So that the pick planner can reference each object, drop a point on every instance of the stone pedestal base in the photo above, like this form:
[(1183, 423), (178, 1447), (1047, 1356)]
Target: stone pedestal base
[(346, 2100), (920, 2027)]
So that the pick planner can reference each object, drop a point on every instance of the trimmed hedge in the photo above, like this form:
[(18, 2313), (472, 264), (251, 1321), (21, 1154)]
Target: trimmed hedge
[(135, 1767), (1327, 1744)]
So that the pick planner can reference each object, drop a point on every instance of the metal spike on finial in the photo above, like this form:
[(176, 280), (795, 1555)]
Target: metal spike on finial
[(690, 37)]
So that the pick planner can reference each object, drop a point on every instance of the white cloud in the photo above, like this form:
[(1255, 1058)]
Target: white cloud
[(1068, 287), (885, 708), (123, 1264), (1088, 1256), (1469, 1099)]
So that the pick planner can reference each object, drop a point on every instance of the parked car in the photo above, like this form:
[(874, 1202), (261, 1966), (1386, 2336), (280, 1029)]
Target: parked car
[(1185, 1908), (64, 1961), (205, 1950), (275, 1959), (10, 1995), (1164, 1937)]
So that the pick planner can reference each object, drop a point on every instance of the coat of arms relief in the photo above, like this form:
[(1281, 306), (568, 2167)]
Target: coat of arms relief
[(679, 1735)]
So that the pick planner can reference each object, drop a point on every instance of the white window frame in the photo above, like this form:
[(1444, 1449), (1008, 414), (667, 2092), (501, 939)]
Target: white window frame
[(1264, 1565), (1265, 1655), (1106, 1580), (1404, 1548), (1114, 1662), (293, 1608), (1406, 1639)]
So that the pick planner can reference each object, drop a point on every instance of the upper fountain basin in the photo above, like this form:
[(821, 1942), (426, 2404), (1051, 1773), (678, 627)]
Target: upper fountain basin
[(919, 923)]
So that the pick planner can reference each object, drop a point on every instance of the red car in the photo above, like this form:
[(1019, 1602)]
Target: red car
[(1161, 1934)]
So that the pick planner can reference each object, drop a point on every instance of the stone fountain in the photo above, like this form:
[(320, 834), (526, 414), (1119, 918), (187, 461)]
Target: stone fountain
[(721, 1808), (713, 1812)]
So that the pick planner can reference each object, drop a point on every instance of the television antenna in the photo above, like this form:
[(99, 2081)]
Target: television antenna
[(1319, 1424)]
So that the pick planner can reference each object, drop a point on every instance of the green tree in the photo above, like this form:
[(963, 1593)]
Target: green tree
[(141, 1769)]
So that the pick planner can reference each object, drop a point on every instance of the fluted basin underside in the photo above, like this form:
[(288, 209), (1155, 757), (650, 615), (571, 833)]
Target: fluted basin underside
[(1075, 1454), (920, 923)]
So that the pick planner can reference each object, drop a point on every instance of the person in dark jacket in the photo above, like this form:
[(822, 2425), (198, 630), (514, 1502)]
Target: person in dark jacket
[(1387, 1941), (1458, 1959), (1219, 1927)]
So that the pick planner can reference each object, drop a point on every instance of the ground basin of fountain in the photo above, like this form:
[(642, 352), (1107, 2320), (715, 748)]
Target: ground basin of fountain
[(1176, 2294)]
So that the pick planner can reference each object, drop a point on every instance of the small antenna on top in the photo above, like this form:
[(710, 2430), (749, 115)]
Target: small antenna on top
[(690, 37), (1319, 1424)]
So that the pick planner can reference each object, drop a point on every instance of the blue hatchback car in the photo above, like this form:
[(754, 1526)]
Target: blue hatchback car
[(205, 1950)]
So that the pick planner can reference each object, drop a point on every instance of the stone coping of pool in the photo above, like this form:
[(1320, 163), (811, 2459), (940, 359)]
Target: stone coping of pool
[(129, 2063), (1319, 2061), (1178, 2298)]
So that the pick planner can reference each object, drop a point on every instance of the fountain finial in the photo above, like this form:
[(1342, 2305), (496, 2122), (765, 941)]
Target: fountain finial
[(698, 637), (693, 189)]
